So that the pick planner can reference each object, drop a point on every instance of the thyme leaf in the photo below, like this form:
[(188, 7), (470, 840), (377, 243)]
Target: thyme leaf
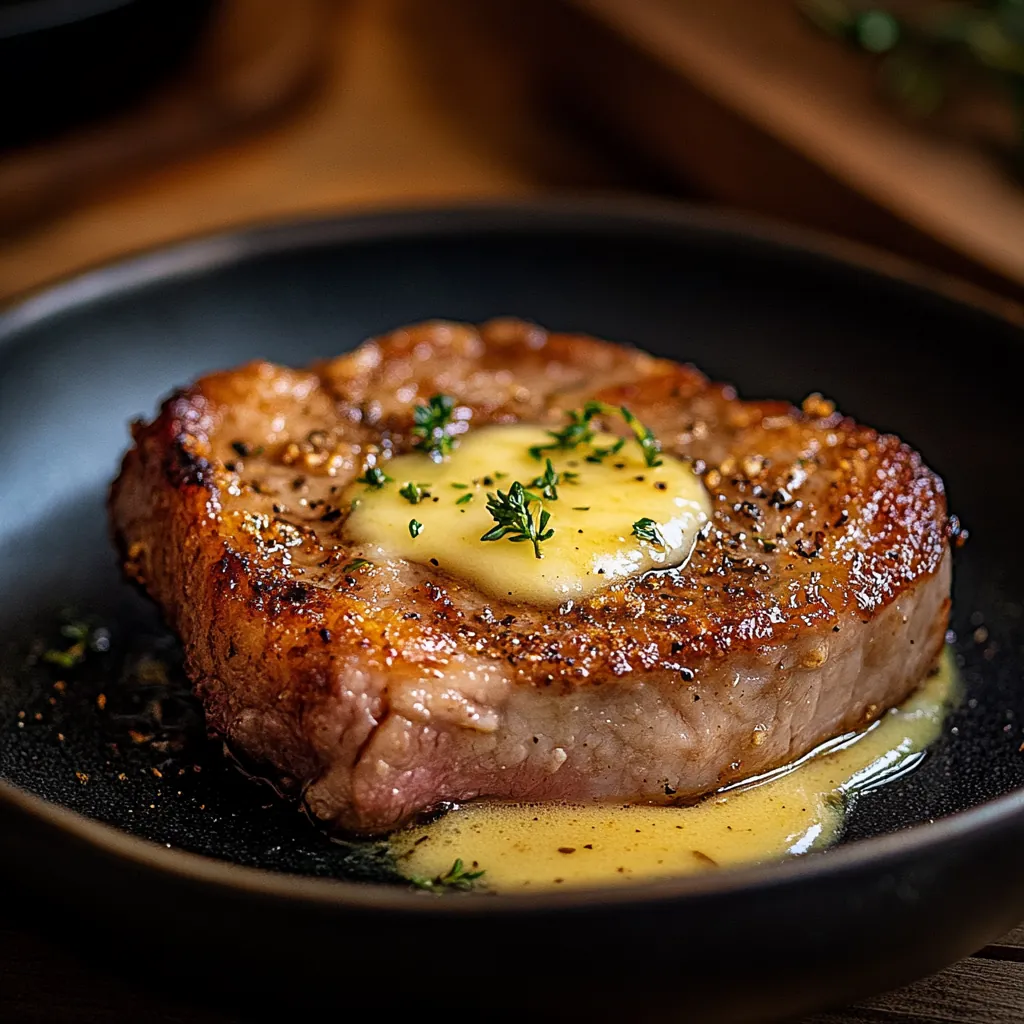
[(648, 530), (514, 517), (456, 877), (413, 493), (415, 528), (374, 476), (431, 426), (549, 482), (356, 563), (86, 638), (600, 454), (649, 444), (579, 431)]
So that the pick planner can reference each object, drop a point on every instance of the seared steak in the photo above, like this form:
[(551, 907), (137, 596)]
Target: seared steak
[(816, 598)]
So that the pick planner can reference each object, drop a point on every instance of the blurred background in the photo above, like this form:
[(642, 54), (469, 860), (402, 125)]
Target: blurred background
[(129, 123)]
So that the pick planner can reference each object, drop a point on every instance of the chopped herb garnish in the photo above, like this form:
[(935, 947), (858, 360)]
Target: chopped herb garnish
[(581, 508), (457, 877), (465, 499), (514, 517), (415, 526), (431, 426), (648, 530), (600, 454), (375, 477), (549, 482), (460, 487), (767, 545), (648, 442), (579, 431), (74, 655), (356, 563), (86, 639), (413, 493)]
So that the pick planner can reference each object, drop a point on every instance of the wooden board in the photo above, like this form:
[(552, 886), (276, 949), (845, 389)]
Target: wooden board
[(754, 107)]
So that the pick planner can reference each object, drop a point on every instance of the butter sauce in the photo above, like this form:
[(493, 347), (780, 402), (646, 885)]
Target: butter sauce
[(795, 810), (598, 502)]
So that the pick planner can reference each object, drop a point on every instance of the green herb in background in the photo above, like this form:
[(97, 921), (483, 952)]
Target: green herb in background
[(926, 58)]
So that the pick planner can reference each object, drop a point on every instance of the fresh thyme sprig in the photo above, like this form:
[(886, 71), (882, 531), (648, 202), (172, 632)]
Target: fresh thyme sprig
[(375, 477), (600, 454), (457, 878), (548, 482), (649, 444), (579, 431), (431, 426), (648, 530), (514, 517)]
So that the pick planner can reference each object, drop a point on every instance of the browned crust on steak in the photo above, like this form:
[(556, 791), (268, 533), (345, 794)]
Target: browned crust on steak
[(820, 525)]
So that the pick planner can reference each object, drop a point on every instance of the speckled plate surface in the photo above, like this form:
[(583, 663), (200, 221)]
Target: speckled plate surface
[(105, 820)]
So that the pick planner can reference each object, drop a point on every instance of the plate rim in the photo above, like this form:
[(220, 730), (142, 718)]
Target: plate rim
[(598, 214)]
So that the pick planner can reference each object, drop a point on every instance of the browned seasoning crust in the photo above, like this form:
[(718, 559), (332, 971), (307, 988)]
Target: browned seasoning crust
[(818, 598)]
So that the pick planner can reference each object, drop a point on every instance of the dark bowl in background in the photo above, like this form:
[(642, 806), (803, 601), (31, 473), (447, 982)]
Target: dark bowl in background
[(63, 62)]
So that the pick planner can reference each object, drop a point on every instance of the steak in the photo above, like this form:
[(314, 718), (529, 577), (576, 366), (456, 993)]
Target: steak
[(815, 598)]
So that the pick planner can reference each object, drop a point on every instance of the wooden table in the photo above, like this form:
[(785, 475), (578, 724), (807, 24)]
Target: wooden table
[(413, 108)]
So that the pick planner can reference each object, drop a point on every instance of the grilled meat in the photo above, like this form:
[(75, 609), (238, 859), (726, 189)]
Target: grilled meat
[(817, 598)]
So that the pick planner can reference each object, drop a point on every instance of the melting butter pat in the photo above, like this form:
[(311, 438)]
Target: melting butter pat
[(592, 545)]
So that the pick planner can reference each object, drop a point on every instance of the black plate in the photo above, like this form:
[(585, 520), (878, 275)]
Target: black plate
[(775, 313)]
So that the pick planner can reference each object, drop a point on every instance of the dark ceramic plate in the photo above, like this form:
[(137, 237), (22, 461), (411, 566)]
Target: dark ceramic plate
[(930, 867)]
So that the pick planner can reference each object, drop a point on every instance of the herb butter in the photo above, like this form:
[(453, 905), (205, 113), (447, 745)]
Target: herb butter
[(609, 515)]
